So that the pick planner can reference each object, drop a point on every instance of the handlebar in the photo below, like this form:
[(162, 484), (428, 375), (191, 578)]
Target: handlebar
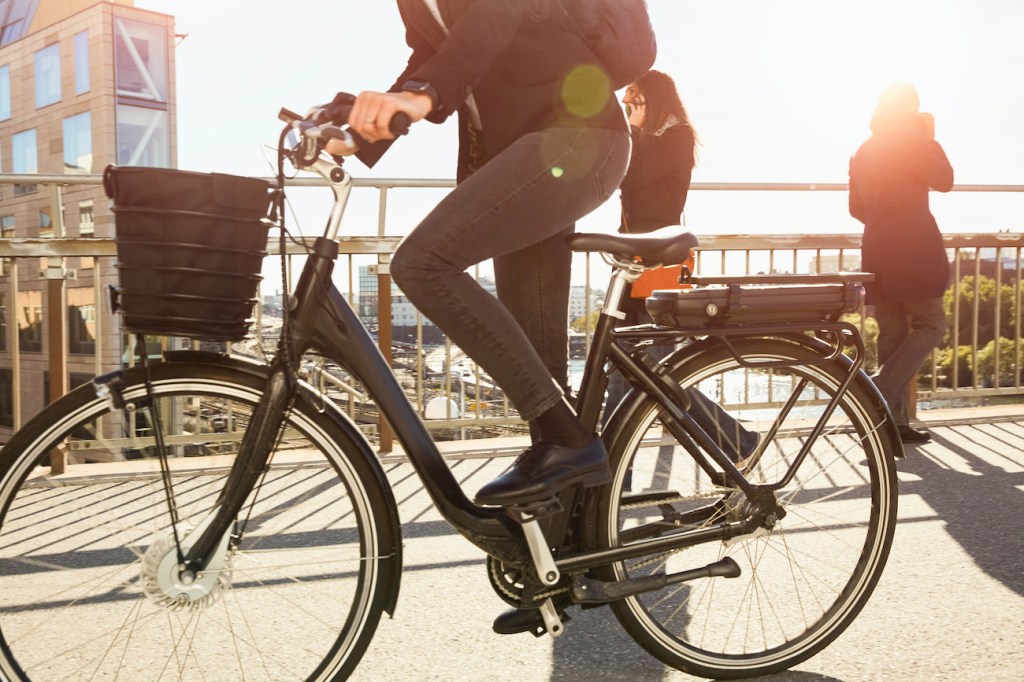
[(324, 123)]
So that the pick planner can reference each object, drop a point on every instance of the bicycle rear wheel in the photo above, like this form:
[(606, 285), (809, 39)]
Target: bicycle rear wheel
[(803, 581), (86, 590)]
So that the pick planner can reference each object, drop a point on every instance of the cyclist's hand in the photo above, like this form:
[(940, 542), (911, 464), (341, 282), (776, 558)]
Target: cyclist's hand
[(373, 111)]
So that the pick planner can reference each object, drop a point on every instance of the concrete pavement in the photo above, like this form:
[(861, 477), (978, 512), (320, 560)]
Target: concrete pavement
[(950, 605)]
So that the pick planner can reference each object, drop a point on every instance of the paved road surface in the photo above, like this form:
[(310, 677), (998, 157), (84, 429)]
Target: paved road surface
[(950, 605)]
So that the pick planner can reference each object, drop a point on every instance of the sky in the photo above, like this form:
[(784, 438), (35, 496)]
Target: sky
[(778, 91)]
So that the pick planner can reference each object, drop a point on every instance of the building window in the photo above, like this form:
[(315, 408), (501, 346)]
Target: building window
[(30, 321), (6, 232), (45, 223), (78, 143), (5, 92), (140, 53), (23, 151), (6, 397), (142, 138), (86, 224), (81, 321), (81, 62), (48, 75)]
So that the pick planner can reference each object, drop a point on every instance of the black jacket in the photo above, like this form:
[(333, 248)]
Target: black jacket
[(658, 180), (527, 69), (890, 176)]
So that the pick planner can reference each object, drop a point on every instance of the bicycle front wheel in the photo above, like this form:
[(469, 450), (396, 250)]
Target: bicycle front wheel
[(88, 586), (802, 581)]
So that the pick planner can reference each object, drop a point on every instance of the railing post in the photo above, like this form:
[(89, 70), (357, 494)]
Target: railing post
[(384, 331), (384, 336), (56, 323)]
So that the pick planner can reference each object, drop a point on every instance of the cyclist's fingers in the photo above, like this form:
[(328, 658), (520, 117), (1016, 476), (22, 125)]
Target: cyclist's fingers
[(371, 120), (365, 114)]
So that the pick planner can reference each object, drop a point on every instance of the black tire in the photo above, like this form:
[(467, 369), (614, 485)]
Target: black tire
[(804, 581), (82, 595)]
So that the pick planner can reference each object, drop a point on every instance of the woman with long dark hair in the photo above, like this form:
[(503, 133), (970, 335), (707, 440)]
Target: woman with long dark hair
[(654, 195), (664, 154)]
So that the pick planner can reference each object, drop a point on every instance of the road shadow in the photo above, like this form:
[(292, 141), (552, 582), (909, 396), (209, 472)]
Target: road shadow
[(981, 508), (594, 640)]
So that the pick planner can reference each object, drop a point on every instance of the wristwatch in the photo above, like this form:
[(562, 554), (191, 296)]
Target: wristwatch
[(423, 87)]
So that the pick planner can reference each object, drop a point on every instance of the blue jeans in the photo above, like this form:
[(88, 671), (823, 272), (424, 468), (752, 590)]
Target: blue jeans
[(517, 209), (907, 333)]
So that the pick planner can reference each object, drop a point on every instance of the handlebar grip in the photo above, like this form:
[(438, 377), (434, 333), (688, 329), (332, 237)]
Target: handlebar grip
[(399, 124), (288, 116)]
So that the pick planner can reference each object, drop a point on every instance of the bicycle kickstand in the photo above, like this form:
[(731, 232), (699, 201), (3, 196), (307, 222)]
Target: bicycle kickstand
[(529, 516)]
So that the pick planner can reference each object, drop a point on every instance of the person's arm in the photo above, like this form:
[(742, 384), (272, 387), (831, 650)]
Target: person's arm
[(370, 152), (473, 43), (452, 71), (938, 170)]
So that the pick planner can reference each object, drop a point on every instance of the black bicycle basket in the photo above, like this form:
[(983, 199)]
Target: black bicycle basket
[(190, 250)]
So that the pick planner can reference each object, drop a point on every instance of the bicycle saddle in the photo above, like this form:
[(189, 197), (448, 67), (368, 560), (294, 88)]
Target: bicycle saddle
[(667, 245)]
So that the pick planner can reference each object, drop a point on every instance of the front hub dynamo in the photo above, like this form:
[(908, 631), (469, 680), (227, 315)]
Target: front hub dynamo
[(170, 586)]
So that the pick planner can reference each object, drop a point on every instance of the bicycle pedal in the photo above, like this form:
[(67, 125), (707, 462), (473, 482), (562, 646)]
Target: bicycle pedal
[(535, 511)]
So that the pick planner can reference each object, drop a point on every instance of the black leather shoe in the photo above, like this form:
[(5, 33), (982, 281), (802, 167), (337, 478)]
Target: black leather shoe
[(911, 435), (514, 621), (544, 470)]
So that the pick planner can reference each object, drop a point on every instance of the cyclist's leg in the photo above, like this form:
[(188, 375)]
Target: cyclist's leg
[(525, 195), (533, 283)]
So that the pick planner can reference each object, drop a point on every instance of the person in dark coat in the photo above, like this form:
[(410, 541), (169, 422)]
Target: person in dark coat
[(664, 154), (542, 143), (890, 177), (653, 195)]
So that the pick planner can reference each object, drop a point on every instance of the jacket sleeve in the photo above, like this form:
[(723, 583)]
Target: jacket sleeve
[(454, 69), (474, 42), (370, 153), (937, 170)]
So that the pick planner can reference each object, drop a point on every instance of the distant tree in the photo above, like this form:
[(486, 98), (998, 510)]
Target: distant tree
[(1010, 360), (581, 324), (986, 294), (964, 359), (869, 332)]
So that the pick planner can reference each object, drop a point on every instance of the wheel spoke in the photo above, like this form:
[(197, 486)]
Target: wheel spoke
[(85, 588), (804, 576)]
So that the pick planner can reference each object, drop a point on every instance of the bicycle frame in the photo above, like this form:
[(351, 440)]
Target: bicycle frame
[(346, 342)]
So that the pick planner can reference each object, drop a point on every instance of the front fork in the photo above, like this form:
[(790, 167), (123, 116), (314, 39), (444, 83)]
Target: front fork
[(253, 457), (264, 428)]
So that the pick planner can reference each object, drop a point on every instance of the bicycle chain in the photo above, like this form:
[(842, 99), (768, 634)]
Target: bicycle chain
[(667, 500)]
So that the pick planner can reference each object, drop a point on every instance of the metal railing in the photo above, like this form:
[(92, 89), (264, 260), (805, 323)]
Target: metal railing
[(980, 368)]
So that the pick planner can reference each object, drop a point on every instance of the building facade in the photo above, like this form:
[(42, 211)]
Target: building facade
[(83, 84)]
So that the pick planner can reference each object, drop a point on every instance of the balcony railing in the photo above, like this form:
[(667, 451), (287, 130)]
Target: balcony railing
[(978, 367)]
